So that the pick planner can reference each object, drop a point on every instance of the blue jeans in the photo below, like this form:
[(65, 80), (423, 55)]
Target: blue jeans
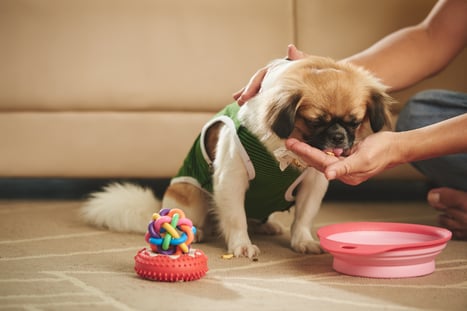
[(429, 107)]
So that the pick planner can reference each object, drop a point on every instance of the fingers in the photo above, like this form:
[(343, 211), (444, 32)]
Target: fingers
[(312, 156), (343, 171), (352, 179), (332, 166), (443, 198), (237, 94), (339, 170), (453, 204), (252, 88), (293, 53), (455, 225)]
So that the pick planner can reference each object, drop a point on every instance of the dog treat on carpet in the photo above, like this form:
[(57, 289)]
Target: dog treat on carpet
[(227, 256)]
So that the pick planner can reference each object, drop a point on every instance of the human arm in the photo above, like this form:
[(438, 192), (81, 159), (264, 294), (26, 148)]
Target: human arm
[(383, 150), (414, 53), (404, 57)]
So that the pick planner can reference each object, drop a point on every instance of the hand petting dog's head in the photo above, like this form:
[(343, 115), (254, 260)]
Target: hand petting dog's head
[(321, 102)]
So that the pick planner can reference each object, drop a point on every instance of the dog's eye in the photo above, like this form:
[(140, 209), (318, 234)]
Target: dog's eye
[(314, 123), (353, 124)]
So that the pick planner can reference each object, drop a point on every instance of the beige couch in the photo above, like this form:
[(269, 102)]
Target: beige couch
[(120, 88)]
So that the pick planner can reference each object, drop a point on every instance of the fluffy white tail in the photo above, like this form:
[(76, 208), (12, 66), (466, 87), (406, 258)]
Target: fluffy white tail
[(121, 207)]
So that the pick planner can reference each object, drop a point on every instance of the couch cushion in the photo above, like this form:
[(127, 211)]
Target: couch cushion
[(96, 144), (135, 54)]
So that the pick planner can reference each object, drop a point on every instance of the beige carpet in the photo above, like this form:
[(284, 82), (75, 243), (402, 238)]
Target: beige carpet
[(51, 261)]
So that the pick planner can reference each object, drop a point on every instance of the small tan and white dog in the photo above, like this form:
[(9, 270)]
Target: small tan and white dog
[(239, 168)]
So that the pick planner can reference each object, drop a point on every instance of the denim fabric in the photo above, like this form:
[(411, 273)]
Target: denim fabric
[(429, 107)]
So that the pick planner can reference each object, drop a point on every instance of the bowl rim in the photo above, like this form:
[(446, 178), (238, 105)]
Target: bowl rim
[(438, 236)]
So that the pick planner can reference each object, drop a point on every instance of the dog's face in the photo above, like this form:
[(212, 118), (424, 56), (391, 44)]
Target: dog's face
[(324, 103)]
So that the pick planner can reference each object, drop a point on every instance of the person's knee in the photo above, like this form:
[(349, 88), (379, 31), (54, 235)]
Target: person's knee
[(412, 109), (424, 108)]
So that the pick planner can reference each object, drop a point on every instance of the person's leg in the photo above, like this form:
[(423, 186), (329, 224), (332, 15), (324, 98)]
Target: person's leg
[(448, 172), (430, 107)]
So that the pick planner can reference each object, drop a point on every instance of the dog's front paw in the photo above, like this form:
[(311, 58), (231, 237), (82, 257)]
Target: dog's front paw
[(246, 250), (302, 241), (307, 247)]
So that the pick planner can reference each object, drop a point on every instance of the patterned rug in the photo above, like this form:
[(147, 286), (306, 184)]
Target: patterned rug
[(49, 260)]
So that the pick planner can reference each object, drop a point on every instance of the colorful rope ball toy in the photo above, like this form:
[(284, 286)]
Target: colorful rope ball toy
[(170, 257)]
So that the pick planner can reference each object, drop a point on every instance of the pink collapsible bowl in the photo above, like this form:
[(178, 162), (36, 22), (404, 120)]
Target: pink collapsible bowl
[(382, 249)]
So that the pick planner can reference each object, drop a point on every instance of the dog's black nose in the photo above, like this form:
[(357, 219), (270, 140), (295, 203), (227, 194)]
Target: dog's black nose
[(338, 138)]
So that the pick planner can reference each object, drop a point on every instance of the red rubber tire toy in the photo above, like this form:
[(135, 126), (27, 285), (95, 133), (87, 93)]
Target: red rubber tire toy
[(171, 268)]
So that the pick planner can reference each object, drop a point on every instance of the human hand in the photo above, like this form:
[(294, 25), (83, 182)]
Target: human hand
[(369, 157), (254, 85), (452, 203), (314, 157)]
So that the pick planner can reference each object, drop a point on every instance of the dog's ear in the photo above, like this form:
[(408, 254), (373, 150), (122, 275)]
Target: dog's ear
[(378, 110), (281, 116)]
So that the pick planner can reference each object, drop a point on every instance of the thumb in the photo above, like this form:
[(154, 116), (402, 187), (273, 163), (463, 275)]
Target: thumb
[(442, 198), (293, 53), (252, 88), (338, 169), (348, 171)]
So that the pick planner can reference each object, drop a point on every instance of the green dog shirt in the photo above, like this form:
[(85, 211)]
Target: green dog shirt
[(270, 190)]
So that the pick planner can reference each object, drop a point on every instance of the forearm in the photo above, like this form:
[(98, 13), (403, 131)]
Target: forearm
[(412, 54), (443, 138), (396, 59)]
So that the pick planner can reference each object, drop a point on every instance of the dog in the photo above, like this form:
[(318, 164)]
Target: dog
[(238, 167)]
